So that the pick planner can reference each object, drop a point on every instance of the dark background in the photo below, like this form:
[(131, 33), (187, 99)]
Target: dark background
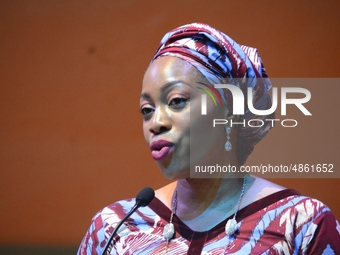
[(70, 77)]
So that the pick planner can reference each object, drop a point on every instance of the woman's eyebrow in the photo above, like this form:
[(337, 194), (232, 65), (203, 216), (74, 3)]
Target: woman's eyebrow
[(145, 95), (168, 85), (165, 87)]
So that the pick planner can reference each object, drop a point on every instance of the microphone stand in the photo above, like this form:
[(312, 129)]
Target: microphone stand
[(143, 198)]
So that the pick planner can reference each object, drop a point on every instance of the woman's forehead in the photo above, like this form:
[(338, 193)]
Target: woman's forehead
[(168, 68)]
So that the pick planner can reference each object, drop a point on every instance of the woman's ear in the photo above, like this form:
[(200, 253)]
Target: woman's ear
[(227, 114)]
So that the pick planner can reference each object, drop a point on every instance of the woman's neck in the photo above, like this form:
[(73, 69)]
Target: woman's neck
[(203, 203), (198, 197)]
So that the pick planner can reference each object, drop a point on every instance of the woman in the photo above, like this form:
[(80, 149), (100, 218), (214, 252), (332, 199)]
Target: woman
[(231, 213)]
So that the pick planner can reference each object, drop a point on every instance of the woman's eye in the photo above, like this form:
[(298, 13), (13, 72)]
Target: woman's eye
[(178, 102), (145, 111)]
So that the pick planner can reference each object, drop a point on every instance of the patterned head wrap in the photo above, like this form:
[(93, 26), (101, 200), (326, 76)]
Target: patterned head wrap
[(222, 61)]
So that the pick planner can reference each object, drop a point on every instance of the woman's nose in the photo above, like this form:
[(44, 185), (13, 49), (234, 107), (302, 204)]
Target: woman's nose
[(160, 121)]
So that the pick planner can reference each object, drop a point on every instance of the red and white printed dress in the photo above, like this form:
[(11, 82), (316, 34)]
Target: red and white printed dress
[(282, 223)]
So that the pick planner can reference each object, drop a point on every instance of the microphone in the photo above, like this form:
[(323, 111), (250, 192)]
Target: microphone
[(143, 198)]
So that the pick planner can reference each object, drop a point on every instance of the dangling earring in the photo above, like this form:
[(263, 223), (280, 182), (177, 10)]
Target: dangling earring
[(227, 145)]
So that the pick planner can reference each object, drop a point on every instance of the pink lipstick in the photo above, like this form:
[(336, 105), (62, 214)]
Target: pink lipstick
[(160, 149)]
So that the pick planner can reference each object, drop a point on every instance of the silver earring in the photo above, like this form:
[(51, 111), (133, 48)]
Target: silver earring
[(227, 145)]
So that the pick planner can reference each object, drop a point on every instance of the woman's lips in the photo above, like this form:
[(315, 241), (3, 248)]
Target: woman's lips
[(160, 149)]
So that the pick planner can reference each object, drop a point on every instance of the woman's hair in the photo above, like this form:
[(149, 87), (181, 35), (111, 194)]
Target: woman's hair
[(222, 61)]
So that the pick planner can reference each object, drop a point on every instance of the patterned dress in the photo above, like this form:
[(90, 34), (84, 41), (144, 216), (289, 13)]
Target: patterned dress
[(281, 223)]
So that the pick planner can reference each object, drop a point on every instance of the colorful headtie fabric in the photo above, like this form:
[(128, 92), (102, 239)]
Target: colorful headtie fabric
[(221, 60)]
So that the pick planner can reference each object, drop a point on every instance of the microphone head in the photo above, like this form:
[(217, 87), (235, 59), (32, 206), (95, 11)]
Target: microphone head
[(145, 196)]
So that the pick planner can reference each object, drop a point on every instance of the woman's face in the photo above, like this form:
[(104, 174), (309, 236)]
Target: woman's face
[(171, 107)]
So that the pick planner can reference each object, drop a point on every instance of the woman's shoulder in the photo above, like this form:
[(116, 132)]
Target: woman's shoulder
[(305, 221), (275, 196)]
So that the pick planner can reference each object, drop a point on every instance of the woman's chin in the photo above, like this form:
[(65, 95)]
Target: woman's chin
[(175, 174)]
